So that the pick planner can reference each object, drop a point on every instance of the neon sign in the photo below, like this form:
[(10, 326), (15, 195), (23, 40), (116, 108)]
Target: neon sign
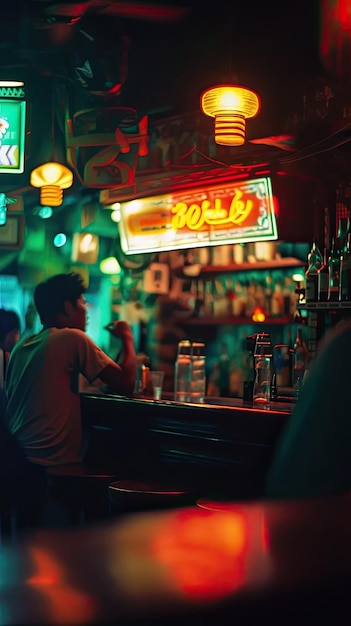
[(235, 212), (12, 127)]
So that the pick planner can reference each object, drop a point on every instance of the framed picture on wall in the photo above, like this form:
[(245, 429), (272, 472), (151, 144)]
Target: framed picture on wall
[(11, 233)]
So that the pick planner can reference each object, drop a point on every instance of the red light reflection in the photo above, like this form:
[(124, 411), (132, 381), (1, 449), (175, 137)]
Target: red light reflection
[(335, 36), (276, 207), (204, 551), (68, 605)]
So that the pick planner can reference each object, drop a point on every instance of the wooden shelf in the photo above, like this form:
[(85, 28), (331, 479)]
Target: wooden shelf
[(325, 306), (230, 319), (207, 271)]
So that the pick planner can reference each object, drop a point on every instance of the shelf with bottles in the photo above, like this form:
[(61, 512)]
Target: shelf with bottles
[(324, 306), (209, 271), (231, 319)]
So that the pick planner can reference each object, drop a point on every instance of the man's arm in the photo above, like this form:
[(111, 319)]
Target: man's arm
[(120, 377)]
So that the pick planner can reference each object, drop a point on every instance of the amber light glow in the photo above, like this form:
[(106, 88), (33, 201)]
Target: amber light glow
[(231, 106), (258, 315), (51, 178), (65, 604), (204, 552)]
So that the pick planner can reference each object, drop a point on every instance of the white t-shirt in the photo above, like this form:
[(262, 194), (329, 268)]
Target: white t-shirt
[(42, 385)]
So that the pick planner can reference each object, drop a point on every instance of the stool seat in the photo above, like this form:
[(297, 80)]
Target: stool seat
[(83, 493), (146, 488), (216, 505), (133, 495), (79, 471)]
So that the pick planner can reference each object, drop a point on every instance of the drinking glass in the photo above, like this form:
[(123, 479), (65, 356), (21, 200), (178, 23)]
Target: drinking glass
[(157, 383), (262, 383)]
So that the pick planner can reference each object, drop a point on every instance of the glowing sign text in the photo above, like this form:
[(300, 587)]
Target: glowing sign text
[(195, 215)]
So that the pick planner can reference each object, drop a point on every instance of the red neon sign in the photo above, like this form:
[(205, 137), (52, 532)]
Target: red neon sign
[(229, 213)]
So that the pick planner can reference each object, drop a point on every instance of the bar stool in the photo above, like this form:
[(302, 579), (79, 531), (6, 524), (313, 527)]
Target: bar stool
[(129, 496), (77, 495), (21, 504), (216, 505)]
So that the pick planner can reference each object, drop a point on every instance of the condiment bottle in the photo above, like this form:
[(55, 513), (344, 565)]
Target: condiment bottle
[(182, 372)]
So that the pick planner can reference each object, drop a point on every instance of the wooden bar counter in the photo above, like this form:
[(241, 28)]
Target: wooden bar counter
[(247, 563), (223, 445)]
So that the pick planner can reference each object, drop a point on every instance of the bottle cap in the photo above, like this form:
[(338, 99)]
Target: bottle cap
[(263, 345), (198, 348), (184, 347)]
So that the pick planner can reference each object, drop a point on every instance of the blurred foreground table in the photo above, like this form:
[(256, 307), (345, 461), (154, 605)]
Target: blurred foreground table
[(218, 563)]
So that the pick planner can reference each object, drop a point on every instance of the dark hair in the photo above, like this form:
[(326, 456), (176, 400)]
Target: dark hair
[(9, 320), (50, 295)]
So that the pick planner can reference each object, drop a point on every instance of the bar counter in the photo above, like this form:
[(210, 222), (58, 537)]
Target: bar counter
[(248, 563), (223, 445)]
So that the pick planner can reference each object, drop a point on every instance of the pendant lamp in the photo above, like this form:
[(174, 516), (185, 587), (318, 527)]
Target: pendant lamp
[(51, 178), (231, 106)]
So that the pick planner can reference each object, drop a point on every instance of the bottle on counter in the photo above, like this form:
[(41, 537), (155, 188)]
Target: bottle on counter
[(300, 359), (323, 275), (323, 279), (182, 372), (274, 388), (334, 271), (345, 272), (142, 377), (314, 264), (268, 294), (263, 370)]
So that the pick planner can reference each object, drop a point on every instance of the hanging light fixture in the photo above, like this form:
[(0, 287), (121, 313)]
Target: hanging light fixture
[(231, 106), (51, 178)]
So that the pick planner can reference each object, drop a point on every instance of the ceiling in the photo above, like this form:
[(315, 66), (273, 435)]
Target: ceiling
[(163, 54)]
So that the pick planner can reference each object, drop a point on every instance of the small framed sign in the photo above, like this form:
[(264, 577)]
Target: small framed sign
[(11, 233), (12, 127)]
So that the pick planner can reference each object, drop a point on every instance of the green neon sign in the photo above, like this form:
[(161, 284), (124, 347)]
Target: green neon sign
[(12, 135)]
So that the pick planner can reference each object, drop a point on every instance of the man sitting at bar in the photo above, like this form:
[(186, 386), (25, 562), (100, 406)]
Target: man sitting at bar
[(313, 455), (43, 403)]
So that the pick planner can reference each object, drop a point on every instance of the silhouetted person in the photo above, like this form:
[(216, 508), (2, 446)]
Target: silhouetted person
[(313, 455), (43, 403)]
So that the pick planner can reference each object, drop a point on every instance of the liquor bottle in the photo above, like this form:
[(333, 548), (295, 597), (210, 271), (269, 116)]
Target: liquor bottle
[(343, 229), (334, 271), (268, 294), (314, 263), (323, 279), (300, 358), (287, 365), (323, 276), (345, 272), (277, 300), (263, 370)]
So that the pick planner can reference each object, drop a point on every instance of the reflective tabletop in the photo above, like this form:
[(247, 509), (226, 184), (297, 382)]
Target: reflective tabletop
[(216, 563)]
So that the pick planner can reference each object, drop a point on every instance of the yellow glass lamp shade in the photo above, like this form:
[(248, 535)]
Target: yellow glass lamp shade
[(51, 178), (231, 106)]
